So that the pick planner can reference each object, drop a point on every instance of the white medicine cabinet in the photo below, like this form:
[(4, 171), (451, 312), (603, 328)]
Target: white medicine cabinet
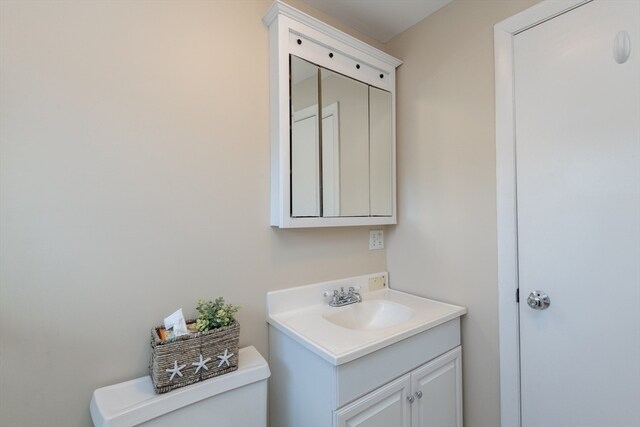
[(332, 106)]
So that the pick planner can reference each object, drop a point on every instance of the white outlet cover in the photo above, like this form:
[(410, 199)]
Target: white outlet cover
[(376, 239)]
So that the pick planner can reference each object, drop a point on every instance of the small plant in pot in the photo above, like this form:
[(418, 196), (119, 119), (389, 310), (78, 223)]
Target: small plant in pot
[(215, 314)]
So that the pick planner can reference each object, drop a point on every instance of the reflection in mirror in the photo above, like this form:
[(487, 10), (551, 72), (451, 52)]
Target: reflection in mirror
[(346, 151), (305, 137), (331, 160), (380, 152), (343, 167)]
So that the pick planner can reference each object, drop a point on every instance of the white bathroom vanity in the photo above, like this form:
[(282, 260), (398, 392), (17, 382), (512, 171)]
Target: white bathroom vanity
[(391, 359)]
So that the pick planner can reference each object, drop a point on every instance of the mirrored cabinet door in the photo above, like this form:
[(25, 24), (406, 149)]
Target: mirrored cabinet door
[(380, 152), (305, 140), (341, 162), (346, 150)]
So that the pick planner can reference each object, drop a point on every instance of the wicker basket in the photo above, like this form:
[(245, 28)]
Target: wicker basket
[(184, 360)]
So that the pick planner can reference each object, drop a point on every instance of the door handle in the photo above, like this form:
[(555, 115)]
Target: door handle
[(538, 300)]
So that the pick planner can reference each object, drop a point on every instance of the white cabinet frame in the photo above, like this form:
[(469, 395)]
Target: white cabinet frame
[(306, 389), (296, 33)]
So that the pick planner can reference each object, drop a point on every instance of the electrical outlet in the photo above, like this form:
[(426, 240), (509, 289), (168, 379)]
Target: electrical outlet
[(376, 283), (376, 239)]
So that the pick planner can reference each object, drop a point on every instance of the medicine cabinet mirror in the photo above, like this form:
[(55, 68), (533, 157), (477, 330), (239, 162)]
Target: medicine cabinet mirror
[(332, 130)]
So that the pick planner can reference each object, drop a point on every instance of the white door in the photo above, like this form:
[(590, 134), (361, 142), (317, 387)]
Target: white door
[(577, 120), (437, 390), (387, 406)]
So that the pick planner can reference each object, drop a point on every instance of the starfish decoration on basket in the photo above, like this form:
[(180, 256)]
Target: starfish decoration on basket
[(175, 370), (201, 364), (225, 358)]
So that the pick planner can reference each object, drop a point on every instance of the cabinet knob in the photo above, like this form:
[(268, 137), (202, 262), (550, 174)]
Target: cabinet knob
[(419, 394), (410, 399)]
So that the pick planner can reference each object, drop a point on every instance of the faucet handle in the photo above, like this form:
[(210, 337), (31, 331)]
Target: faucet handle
[(333, 294)]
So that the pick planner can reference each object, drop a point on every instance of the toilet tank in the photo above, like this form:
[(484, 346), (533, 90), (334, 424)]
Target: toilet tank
[(238, 398)]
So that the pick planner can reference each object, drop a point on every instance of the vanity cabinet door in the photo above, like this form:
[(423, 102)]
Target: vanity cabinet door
[(437, 390), (387, 406)]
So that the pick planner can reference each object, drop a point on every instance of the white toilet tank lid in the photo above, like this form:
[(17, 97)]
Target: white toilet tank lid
[(134, 402)]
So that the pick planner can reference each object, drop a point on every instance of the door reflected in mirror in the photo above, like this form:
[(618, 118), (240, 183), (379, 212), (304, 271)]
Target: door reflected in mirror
[(305, 139), (340, 166)]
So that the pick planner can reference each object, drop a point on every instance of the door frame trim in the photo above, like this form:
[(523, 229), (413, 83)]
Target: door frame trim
[(507, 233)]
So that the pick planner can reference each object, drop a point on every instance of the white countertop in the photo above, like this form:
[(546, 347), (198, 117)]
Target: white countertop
[(299, 313)]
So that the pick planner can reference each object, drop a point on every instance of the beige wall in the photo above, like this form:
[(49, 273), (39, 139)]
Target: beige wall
[(444, 245), (134, 180)]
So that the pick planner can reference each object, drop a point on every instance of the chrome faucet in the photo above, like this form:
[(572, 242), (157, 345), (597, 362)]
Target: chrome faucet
[(340, 298)]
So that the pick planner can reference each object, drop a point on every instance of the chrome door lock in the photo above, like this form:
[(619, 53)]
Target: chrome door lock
[(538, 300)]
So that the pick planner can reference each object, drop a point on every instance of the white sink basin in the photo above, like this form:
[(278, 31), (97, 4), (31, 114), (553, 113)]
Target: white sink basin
[(370, 315), (342, 334)]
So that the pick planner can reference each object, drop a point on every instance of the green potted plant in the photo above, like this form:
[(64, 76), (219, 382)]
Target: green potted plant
[(215, 314)]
